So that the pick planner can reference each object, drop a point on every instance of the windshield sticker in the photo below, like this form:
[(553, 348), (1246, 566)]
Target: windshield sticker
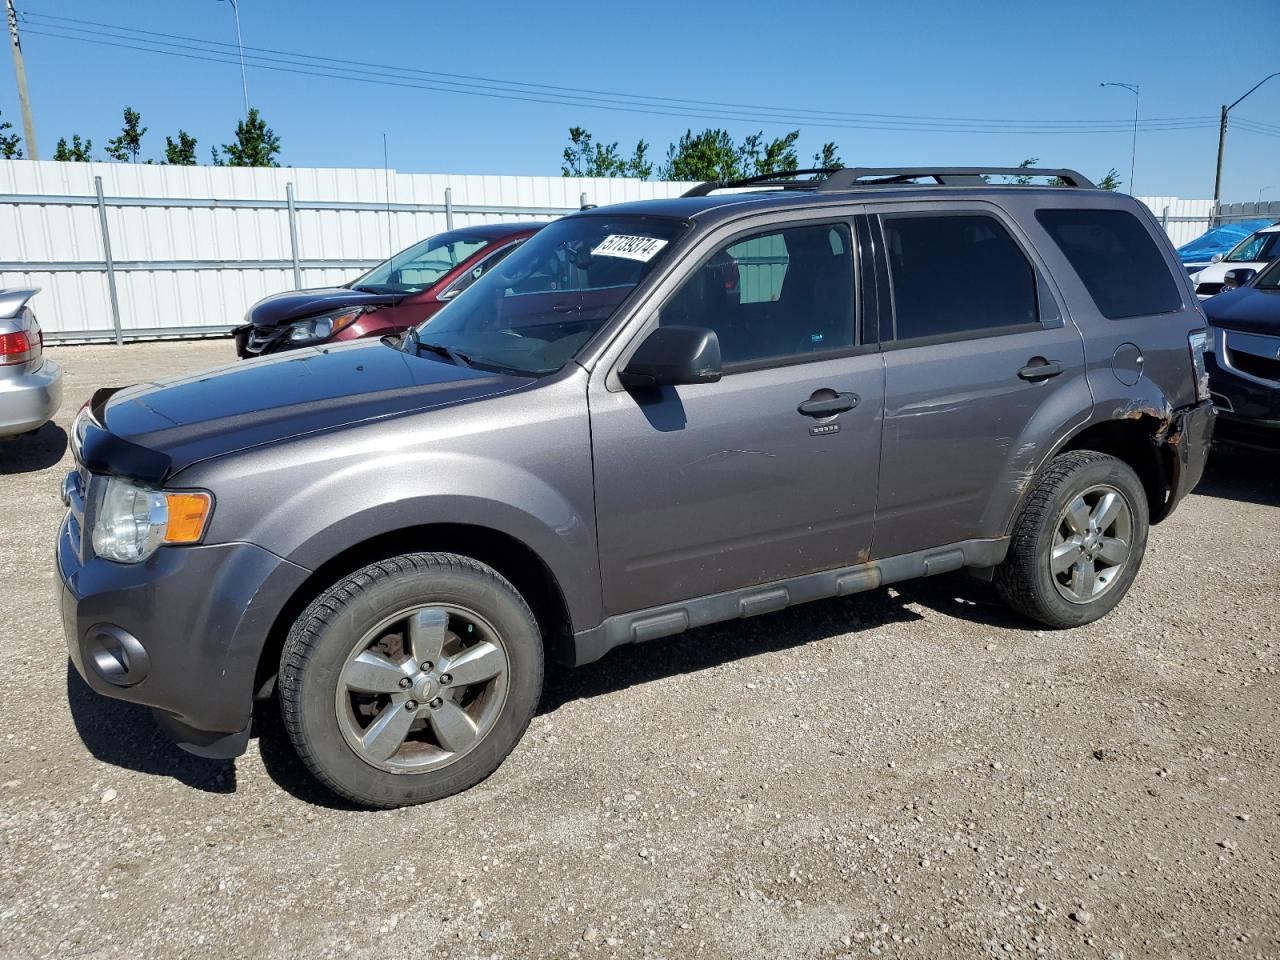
[(643, 249)]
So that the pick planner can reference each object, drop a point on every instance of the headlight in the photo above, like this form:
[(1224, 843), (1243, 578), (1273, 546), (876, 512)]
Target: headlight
[(324, 327), (130, 521)]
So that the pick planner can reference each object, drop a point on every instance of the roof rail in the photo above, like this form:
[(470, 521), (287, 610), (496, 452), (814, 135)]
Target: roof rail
[(848, 178), (783, 179)]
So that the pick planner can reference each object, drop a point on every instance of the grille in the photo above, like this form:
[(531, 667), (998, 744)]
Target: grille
[(1208, 289), (1264, 368), (76, 486)]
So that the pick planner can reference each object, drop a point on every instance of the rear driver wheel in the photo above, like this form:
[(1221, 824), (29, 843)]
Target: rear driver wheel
[(1077, 542), (411, 679)]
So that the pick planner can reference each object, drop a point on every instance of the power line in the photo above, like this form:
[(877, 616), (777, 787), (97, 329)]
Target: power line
[(315, 65)]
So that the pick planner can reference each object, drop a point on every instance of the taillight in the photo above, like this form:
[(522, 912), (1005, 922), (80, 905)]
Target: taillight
[(17, 348), (1197, 340)]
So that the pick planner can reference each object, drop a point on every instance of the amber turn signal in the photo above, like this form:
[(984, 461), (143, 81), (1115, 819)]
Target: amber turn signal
[(188, 513)]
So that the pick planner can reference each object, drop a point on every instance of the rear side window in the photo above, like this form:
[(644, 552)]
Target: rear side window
[(1117, 260), (957, 275)]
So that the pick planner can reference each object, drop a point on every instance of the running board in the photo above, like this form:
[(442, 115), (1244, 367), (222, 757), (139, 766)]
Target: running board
[(672, 618)]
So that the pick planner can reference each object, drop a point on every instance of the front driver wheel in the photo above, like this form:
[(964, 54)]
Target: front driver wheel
[(411, 679), (1077, 542)]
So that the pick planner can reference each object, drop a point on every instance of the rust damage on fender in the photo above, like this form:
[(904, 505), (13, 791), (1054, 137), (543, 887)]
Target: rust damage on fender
[(1137, 409)]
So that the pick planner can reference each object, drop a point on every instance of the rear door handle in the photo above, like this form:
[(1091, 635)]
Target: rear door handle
[(1038, 368), (825, 403)]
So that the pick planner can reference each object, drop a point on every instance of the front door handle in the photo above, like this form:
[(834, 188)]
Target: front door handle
[(826, 403), (1038, 368)]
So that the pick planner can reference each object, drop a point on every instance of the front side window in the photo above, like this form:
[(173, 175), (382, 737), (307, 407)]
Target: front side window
[(956, 275), (1116, 259), (776, 296), (1259, 247), (423, 264), (537, 307)]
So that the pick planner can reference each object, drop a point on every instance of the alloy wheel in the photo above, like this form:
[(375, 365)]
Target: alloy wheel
[(1091, 544), (422, 689)]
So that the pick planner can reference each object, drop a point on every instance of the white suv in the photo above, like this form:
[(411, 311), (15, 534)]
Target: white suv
[(1254, 251)]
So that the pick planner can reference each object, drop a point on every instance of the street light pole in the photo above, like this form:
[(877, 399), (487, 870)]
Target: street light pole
[(244, 83), (1222, 137), (19, 67), (1133, 153)]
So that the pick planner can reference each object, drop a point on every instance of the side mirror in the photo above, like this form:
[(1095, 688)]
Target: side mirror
[(1216, 258), (1239, 277), (674, 355)]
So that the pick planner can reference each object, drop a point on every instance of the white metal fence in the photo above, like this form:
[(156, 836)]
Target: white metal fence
[(1184, 220), (127, 251)]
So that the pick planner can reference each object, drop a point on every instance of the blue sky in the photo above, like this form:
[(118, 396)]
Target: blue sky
[(993, 61)]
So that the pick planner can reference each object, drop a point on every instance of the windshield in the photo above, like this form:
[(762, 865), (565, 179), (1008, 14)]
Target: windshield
[(1259, 247), (532, 312), (423, 264)]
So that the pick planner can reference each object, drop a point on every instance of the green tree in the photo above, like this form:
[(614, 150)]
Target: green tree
[(583, 157), (1025, 178), (640, 166), (713, 155), (709, 155), (828, 156), (9, 142), (128, 145), (76, 151), (183, 152), (1111, 181), (256, 144), (763, 157)]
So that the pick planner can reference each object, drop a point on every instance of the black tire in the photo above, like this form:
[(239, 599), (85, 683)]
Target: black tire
[(326, 633), (1024, 580)]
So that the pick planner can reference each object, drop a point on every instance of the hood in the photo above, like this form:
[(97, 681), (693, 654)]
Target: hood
[(281, 308), (1247, 309), (246, 404)]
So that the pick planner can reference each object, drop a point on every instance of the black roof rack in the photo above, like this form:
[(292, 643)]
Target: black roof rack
[(783, 180), (847, 178)]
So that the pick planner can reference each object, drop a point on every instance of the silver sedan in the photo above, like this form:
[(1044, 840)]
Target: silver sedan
[(30, 383)]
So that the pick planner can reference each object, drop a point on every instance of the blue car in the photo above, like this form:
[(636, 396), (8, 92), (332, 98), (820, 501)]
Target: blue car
[(1243, 360)]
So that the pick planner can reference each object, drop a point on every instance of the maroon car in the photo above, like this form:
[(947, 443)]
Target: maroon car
[(392, 297)]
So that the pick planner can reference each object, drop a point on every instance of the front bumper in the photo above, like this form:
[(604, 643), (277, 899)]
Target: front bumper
[(29, 400), (1244, 379), (199, 615)]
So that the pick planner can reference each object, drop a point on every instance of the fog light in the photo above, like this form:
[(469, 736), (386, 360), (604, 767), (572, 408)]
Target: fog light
[(116, 655)]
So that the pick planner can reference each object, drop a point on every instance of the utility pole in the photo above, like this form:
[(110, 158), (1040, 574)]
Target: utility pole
[(28, 125), (1222, 138)]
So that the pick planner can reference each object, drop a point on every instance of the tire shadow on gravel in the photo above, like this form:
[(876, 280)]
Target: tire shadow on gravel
[(711, 646), (284, 766), (125, 735), (34, 451), (1242, 473)]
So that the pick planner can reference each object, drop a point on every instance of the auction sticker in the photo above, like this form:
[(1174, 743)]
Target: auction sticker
[(643, 249)]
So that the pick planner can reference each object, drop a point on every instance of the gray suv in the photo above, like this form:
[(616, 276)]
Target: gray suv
[(650, 417)]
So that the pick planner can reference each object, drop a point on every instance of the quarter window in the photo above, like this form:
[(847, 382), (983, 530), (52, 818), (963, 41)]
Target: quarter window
[(1116, 259), (957, 275), (774, 296)]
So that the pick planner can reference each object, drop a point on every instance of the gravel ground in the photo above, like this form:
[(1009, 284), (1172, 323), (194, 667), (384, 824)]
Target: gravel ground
[(910, 772)]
